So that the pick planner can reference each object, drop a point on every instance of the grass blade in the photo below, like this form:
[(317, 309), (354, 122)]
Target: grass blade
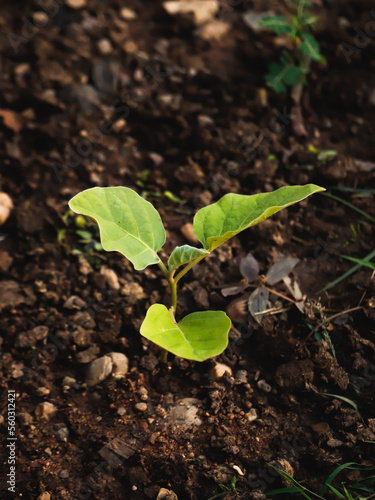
[(350, 205), (371, 265), (348, 273), (332, 476), (346, 400)]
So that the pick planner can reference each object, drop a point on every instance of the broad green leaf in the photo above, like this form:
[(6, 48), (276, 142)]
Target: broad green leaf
[(217, 223), (128, 224), (198, 336), (310, 47), (183, 255)]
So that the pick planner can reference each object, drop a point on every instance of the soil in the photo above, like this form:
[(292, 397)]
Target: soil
[(183, 120)]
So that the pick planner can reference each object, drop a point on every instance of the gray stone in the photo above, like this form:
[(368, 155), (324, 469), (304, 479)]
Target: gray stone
[(98, 370)]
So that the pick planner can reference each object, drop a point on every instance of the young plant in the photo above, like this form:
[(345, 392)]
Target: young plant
[(131, 225), (257, 302), (293, 66)]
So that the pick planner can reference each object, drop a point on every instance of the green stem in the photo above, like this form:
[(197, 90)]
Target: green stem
[(188, 267), (164, 269), (173, 287)]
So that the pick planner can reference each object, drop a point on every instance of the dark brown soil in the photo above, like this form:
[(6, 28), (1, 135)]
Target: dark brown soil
[(165, 111)]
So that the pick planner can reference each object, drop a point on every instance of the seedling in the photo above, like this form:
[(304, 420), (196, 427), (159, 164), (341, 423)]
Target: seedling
[(227, 489), (131, 225), (293, 66), (257, 302)]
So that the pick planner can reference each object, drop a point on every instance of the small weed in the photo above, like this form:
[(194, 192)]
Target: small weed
[(293, 66), (228, 489), (257, 302), (361, 490)]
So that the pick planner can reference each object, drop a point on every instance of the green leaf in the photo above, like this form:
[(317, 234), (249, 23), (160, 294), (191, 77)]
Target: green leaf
[(198, 336), (328, 154), (282, 74), (184, 254), (293, 75), (279, 24), (274, 78), (310, 47), (128, 224), (217, 223)]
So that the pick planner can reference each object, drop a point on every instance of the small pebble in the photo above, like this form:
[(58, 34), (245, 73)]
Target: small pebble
[(62, 434), (165, 494), (142, 391), (44, 496), (121, 410), (160, 411), (251, 415), (45, 411), (76, 4), (84, 266), (98, 370), (118, 126), (104, 46), (219, 370), (42, 391), (120, 364), (241, 377), (74, 302), (40, 18), (128, 14), (263, 386), (110, 278), (140, 406), (64, 474), (25, 418)]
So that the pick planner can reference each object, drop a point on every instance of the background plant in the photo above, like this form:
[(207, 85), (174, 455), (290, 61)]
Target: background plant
[(131, 225), (258, 300), (294, 65)]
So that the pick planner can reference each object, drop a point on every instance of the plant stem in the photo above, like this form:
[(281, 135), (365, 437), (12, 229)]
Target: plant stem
[(173, 287), (188, 267), (164, 269)]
